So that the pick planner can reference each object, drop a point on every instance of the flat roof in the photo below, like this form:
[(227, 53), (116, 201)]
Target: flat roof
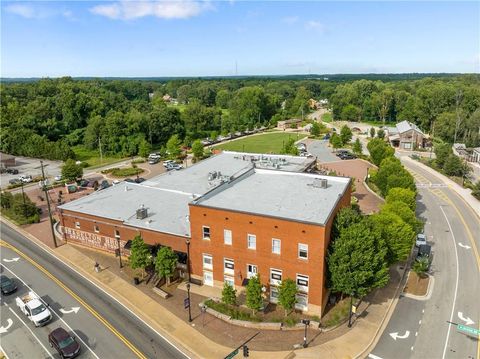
[(195, 179), (167, 210), (288, 195)]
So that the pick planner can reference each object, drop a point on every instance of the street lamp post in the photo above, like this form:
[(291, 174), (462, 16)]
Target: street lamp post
[(119, 253), (187, 241), (48, 205), (307, 323)]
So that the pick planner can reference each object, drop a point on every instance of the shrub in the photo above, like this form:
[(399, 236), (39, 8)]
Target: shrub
[(229, 294)]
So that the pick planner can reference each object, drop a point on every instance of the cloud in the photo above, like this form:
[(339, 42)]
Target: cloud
[(314, 25), (30, 11), (290, 20), (129, 10)]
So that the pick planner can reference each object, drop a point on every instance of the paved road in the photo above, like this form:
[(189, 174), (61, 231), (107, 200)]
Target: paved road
[(453, 230), (101, 324)]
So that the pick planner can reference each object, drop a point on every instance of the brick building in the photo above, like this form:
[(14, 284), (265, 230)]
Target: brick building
[(243, 215)]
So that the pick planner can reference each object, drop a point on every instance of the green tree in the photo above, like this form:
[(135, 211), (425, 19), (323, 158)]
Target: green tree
[(173, 147), (404, 195), (405, 213), (372, 132), (197, 149), (420, 267), (315, 130), (229, 294), (398, 235), (346, 134), (476, 190), (71, 171), (442, 151), (381, 133), (144, 148), (254, 294), (357, 260), (453, 166), (379, 150), (344, 218), (336, 141), (351, 113), (287, 292), (392, 174), (289, 148), (166, 263), (357, 147), (140, 256)]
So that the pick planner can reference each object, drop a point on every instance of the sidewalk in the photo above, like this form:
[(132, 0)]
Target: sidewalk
[(465, 193)]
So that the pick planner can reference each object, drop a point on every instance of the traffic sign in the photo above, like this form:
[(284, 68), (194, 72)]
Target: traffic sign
[(468, 330), (186, 303)]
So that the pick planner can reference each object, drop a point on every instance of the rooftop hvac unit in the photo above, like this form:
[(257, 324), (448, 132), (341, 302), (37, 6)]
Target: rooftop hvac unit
[(320, 183), (212, 175), (142, 213)]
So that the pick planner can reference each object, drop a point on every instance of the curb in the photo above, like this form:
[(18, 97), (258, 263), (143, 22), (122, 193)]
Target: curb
[(428, 295)]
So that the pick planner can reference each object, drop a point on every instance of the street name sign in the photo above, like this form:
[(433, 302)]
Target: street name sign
[(232, 354), (468, 330)]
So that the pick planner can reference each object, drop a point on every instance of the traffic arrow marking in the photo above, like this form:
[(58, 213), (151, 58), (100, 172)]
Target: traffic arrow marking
[(73, 310), (5, 329), (16, 259), (467, 320), (395, 335), (463, 245), (373, 356)]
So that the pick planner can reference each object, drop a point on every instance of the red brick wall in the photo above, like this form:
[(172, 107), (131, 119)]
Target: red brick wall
[(107, 227)]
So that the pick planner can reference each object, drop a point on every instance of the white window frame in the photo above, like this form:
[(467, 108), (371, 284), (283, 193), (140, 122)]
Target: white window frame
[(117, 234), (207, 265), (96, 228), (301, 286), (77, 225), (249, 236), (204, 281), (274, 294), (274, 273), (279, 246), (207, 238), (298, 304), (230, 280), (227, 237), (302, 247), (251, 274), (229, 266)]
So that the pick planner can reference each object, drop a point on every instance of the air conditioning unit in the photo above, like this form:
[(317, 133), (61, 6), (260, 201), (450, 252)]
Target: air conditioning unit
[(320, 183), (142, 213)]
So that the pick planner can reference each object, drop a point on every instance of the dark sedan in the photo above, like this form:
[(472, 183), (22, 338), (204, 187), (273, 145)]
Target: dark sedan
[(64, 343), (8, 285)]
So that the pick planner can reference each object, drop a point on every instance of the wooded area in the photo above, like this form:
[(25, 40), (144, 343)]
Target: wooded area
[(46, 118)]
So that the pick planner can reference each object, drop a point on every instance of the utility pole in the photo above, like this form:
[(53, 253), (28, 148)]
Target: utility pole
[(100, 148), (24, 204), (48, 205), (458, 99)]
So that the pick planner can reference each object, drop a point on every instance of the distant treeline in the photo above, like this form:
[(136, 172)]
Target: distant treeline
[(45, 118)]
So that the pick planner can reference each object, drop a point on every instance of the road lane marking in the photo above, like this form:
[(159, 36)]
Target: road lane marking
[(464, 246), (4, 329), (54, 312), (11, 260), (373, 356), (395, 335), (50, 253), (31, 332), (467, 320), (73, 310), (456, 283), (80, 300)]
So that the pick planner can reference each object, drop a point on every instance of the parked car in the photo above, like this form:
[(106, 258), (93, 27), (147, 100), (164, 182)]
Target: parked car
[(104, 184), (421, 240), (8, 285), (139, 180), (14, 181), (58, 178), (34, 309), (168, 162), (152, 161), (129, 180), (64, 343), (348, 156), (341, 152), (83, 183), (424, 250), (326, 137), (12, 171), (26, 178), (115, 182)]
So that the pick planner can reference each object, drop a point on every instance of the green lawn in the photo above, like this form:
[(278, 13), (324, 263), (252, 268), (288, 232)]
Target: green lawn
[(92, 157), (265, 143), (327, 117)]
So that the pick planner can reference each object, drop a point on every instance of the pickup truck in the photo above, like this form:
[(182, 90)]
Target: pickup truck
[(32, 306)]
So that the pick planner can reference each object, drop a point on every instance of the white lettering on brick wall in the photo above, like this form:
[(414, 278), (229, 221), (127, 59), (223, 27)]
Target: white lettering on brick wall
[(93, 239)]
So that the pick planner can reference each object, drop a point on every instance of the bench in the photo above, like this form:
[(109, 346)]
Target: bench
[(161, 292)]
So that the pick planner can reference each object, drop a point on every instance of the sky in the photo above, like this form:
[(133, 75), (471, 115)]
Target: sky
[(223, 38)]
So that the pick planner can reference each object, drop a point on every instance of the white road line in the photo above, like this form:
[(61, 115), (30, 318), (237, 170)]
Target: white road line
[(54, 312), (416, 334), (420, 322), (456, 283), (102, 290), (31, 332)]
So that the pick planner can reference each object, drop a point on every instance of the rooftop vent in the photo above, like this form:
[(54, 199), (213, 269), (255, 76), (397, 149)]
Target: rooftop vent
[(142, 212), (320, 183)]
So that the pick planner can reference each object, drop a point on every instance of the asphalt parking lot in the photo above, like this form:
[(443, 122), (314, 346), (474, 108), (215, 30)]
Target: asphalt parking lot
[(320, 149), (31, 166)]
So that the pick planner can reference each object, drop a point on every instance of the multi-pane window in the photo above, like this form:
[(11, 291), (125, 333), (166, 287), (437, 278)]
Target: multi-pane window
[(276, 246), (227, 237), (303, 251), (206, 232), (273, 294), (275, 276), (117, 234), (302, 282), (77, 225), (229, 280), (96, 229), (207, 261), (251, 241), (302, 301), (229, 267)]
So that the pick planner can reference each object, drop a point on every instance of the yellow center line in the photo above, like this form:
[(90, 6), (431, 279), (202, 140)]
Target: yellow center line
[(137, 352)]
